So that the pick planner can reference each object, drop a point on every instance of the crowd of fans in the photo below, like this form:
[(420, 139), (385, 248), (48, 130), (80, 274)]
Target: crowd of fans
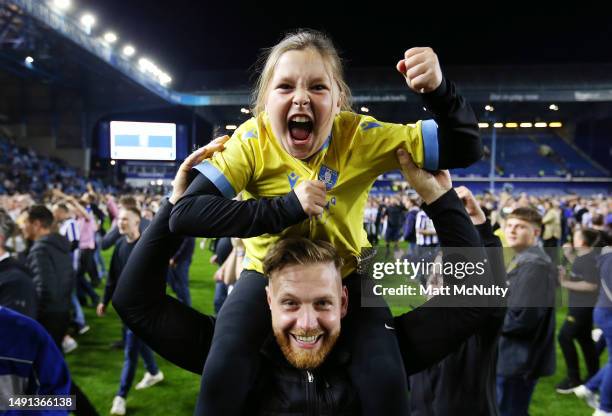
[(48, 212), (394, 217)]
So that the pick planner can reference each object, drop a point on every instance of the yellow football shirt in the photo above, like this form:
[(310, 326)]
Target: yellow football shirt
[(359, 149)]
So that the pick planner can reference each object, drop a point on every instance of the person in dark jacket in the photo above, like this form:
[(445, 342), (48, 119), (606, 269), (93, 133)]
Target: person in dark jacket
[(111, 238), (50, 263), (464, 382), (183, 335), (527, 343), (16, 287), (395, 214), (128, 223)]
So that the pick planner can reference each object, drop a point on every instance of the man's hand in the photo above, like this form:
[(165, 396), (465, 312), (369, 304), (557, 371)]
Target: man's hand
[(101, 310), (472, 206), (172, 263), (430, 186), (421, 69), (180, 182), (312, 196)]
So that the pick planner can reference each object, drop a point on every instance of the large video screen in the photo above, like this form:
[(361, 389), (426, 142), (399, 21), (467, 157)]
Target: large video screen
[(142, 141)]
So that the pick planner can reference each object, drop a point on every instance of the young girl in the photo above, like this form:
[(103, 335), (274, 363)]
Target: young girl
[(305, 164)]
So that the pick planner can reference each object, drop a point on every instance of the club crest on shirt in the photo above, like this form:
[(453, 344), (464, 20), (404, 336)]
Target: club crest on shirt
[(328, 176), (293, 178)]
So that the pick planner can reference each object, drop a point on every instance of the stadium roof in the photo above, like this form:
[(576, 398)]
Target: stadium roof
[(186, 35), (522, 64)]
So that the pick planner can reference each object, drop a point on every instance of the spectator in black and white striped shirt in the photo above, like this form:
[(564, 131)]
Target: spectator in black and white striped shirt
[(426, 235), (426, 240)]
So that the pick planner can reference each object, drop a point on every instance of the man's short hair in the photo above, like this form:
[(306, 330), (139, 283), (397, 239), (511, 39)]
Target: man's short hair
[(128, 201), (42, 214), (133, 210), (299, 250), (591, 237), (527, 214), (7, 226)]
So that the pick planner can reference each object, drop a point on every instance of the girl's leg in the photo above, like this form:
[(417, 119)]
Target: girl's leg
[(241, 328), (376, 366)]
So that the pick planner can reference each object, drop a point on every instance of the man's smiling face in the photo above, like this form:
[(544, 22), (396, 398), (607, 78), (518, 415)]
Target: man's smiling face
[(307, 302)]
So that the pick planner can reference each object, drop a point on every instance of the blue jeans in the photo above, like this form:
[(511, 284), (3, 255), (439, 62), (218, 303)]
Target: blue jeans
[(602, 381), (178, 278), (220, 295), (514, 395), (134, 346), (79, 317)]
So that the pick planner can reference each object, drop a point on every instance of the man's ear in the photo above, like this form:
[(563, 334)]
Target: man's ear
[(269, 296), (344, 302)]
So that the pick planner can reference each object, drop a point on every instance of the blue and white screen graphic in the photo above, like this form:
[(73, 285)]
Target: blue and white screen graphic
[(142, 141)]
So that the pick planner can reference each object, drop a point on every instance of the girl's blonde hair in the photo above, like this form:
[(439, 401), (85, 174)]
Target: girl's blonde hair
[(297, 41)]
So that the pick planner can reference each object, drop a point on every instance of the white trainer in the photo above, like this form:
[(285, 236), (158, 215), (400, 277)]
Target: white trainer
[(587, 395), (596, 333), (118, 406), (149, 380), (69, 344)]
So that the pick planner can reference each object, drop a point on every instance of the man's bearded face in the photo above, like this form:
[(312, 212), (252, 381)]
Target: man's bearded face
[(307, 304)]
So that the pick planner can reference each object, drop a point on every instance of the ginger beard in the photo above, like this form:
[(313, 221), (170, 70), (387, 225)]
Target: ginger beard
[(307, 303), (301, 355)]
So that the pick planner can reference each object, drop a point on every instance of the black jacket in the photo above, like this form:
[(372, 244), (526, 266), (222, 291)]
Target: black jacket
[(183, 335), (282, 389), (50, 263), (464, 382), (16, 288), (527, 344)]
